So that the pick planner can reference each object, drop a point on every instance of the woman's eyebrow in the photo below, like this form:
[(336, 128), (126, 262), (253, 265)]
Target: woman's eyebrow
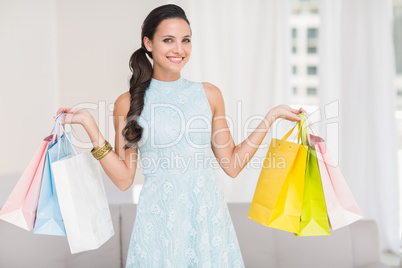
[(171, 36)]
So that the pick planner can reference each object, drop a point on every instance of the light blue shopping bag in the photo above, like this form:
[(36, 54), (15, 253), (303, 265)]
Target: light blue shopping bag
[(48, 216)]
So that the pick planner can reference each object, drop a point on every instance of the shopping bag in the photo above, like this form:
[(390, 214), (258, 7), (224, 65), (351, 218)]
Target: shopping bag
[(287, 209), (83, 203), (341, 205), (20, 207), (48, 216), (278, 196), (314, 216), (286, 212)]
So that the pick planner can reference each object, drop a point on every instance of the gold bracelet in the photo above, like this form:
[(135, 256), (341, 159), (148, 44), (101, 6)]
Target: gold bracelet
[(102, 150)]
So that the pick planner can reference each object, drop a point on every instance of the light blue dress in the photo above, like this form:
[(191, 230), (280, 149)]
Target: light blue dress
[(182, 219)]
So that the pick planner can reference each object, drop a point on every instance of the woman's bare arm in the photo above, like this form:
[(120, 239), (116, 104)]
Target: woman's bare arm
[(233, 158), (120, 165)]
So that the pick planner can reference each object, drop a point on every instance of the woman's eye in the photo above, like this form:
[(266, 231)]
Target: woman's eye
[(186, 40), (167, 40)]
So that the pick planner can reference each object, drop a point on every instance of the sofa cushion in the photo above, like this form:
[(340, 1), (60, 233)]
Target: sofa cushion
[(376, 265), (366, 247), (20, 248), (256, 241), (335, 250), (24, 249)]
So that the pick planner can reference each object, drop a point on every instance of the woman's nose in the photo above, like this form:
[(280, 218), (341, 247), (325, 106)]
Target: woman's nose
[(178, 49)]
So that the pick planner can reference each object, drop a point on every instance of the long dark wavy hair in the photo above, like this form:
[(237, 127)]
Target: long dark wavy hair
[(142, 70)]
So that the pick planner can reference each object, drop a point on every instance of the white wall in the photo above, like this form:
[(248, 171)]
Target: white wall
[(61, 54), (28, 84)]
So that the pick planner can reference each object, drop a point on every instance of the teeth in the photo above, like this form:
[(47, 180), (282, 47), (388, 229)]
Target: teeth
[(176, 59)]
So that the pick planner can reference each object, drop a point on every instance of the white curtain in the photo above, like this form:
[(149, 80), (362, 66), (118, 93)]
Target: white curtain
[(242, 47), (357, 69)]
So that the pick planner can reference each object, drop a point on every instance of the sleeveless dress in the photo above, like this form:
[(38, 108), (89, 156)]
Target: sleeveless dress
[(182, 219)]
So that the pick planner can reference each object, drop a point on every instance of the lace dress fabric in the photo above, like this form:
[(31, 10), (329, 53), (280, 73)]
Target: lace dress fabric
[(182, 219)]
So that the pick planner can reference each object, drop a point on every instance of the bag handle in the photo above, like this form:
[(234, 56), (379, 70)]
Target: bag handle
[(68, 139), (57, 136), (301, 129), (312, 130), (305, 137), (289, 133), (56, 126)]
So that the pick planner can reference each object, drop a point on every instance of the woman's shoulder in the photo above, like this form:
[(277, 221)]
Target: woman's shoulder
[(122, 103), (214, 96), (212, 90)]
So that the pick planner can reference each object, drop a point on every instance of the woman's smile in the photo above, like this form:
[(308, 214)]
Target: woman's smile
[(176, 59)]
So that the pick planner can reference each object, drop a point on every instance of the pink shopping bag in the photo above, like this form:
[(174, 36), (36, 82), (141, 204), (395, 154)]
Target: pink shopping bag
[(20, 207), (341, 205)]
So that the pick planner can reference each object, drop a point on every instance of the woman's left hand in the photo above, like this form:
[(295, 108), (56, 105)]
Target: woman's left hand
[(285, 112)]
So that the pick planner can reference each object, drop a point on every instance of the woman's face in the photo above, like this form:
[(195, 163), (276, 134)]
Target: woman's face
[(170, 47)]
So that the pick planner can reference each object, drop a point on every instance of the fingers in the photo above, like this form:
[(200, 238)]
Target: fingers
[(292, 117), (64, 110), (295, 111), (67, 119), (61, 110), (300, 111), (63, 120), (295, 116)]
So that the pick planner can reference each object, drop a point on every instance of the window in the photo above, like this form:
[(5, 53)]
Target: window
[(312, 40), (312, 70), (311, 91), (294, 33), (398, 36), (312, 50), (304, 28), (312, 33)]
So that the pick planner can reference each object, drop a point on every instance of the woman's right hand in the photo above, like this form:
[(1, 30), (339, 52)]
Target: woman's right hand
[(75, 116)]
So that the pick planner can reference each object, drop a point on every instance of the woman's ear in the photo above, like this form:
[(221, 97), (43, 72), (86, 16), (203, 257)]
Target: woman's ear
[(147, 44)]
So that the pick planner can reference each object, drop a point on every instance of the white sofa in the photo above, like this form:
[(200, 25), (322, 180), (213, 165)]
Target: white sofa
[(354, 246)]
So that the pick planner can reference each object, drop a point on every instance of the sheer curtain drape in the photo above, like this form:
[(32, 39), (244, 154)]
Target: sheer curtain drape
[(242, 47), (357, 68)]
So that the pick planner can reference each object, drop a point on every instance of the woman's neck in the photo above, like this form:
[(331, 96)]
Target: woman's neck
[(166, 76)]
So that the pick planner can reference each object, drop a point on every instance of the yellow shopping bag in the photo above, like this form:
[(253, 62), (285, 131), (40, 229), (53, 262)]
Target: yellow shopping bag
[(278, 197)]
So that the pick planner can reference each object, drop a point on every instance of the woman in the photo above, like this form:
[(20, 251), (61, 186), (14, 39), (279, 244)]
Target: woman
[(182, 219)]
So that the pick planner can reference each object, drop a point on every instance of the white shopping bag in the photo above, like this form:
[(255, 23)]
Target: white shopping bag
[(83, 203)]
